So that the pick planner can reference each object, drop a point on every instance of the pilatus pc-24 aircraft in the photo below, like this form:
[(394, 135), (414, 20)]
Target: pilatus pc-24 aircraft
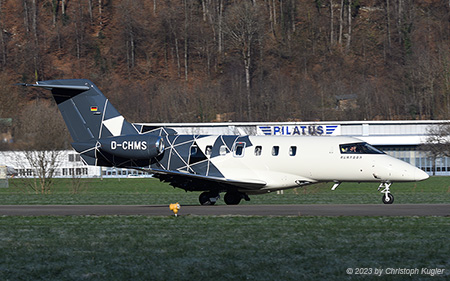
[(237, 165)]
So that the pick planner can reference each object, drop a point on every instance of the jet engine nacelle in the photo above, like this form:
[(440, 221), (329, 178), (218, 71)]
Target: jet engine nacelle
[(133, 146)]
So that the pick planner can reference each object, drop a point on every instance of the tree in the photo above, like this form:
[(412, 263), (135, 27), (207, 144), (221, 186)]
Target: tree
[(244, 30), (437, 143), (40, 136)]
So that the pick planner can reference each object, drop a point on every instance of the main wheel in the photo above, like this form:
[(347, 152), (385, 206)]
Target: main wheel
[(205, 198), (389, 199), (232, 198)]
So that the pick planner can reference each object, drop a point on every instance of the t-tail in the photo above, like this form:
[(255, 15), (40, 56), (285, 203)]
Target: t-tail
[(100, 133)]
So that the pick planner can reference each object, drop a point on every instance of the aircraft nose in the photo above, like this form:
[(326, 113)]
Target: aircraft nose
[(420, 175)]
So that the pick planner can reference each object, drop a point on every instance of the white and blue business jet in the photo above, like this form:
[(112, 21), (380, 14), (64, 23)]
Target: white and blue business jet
[(237, 165)]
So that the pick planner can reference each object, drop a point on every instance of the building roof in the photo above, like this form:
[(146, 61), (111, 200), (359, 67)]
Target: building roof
[(397, 132)]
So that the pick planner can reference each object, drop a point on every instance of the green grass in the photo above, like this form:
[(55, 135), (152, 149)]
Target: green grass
[(150, 191), (223, 248), (219, 248)]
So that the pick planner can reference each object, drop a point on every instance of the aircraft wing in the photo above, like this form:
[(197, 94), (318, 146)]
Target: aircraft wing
[(193, 182)]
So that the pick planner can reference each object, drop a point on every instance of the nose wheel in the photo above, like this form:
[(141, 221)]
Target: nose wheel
[(387, 198)]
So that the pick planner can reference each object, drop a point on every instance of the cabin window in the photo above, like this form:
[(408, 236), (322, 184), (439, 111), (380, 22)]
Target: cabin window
[(292, 151), (196, 155), (223, 150), (359, 148), (208, 150), (239, 149), (258, 150), (193, 150), (275, 150)]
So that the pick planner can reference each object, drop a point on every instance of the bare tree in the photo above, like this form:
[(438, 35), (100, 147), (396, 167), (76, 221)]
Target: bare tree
[(40, 136), (243, 27), (349, 17), (437, 143), (331, 23)]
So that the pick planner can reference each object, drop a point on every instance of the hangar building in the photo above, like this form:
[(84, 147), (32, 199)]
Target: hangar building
[(400, 139)]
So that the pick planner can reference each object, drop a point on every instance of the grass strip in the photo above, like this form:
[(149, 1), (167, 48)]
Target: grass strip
[(223, 248), (435, 190)]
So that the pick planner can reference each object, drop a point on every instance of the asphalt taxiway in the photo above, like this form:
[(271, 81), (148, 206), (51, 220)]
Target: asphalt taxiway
[(224, 210)]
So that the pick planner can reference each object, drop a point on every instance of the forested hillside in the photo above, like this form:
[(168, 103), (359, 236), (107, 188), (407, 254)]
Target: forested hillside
[(218, 60)]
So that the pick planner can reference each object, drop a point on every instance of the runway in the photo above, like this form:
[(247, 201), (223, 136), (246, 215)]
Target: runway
[(224, 210)]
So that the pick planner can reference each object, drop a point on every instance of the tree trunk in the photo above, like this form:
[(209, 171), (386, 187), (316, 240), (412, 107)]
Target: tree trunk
[(63, 7), (293, 15), (100, 12), (177, 52), (247, 63), (220, 31), (399, 21), (34, 20), (331, 23), (2, 39), (186, 40), (25, 16), (341, 22), (388, 14), (90, 10), (349, 25)]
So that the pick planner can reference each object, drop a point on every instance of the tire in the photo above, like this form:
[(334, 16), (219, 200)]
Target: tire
[(232, 198), (205, 199), (388, 200)]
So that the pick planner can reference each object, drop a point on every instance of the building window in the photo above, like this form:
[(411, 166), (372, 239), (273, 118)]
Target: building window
[(74, 157)]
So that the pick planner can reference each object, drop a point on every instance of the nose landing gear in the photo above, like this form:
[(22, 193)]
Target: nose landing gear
[(387, 198)]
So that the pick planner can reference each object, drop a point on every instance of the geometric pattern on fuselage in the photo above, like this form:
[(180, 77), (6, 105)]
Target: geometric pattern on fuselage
[(177, 154), (114, 125)]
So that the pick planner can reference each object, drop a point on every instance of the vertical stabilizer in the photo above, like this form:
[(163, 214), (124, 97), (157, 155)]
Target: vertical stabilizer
[(87, 112)]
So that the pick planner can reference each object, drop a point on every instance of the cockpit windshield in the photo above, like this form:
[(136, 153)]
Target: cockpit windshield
[(359, 148)]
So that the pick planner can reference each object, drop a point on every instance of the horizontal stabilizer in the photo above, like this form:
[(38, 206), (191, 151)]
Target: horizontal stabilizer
[(54, 86)]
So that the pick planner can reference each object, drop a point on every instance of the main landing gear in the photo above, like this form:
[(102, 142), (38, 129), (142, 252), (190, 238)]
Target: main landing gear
[(387, 198), (230, 198), (208, 198)]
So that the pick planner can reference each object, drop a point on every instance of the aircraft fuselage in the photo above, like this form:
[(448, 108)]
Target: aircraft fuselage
[(282, 162)]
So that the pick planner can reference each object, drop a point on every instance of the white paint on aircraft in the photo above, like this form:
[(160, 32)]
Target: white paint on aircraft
[(114, 125)]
